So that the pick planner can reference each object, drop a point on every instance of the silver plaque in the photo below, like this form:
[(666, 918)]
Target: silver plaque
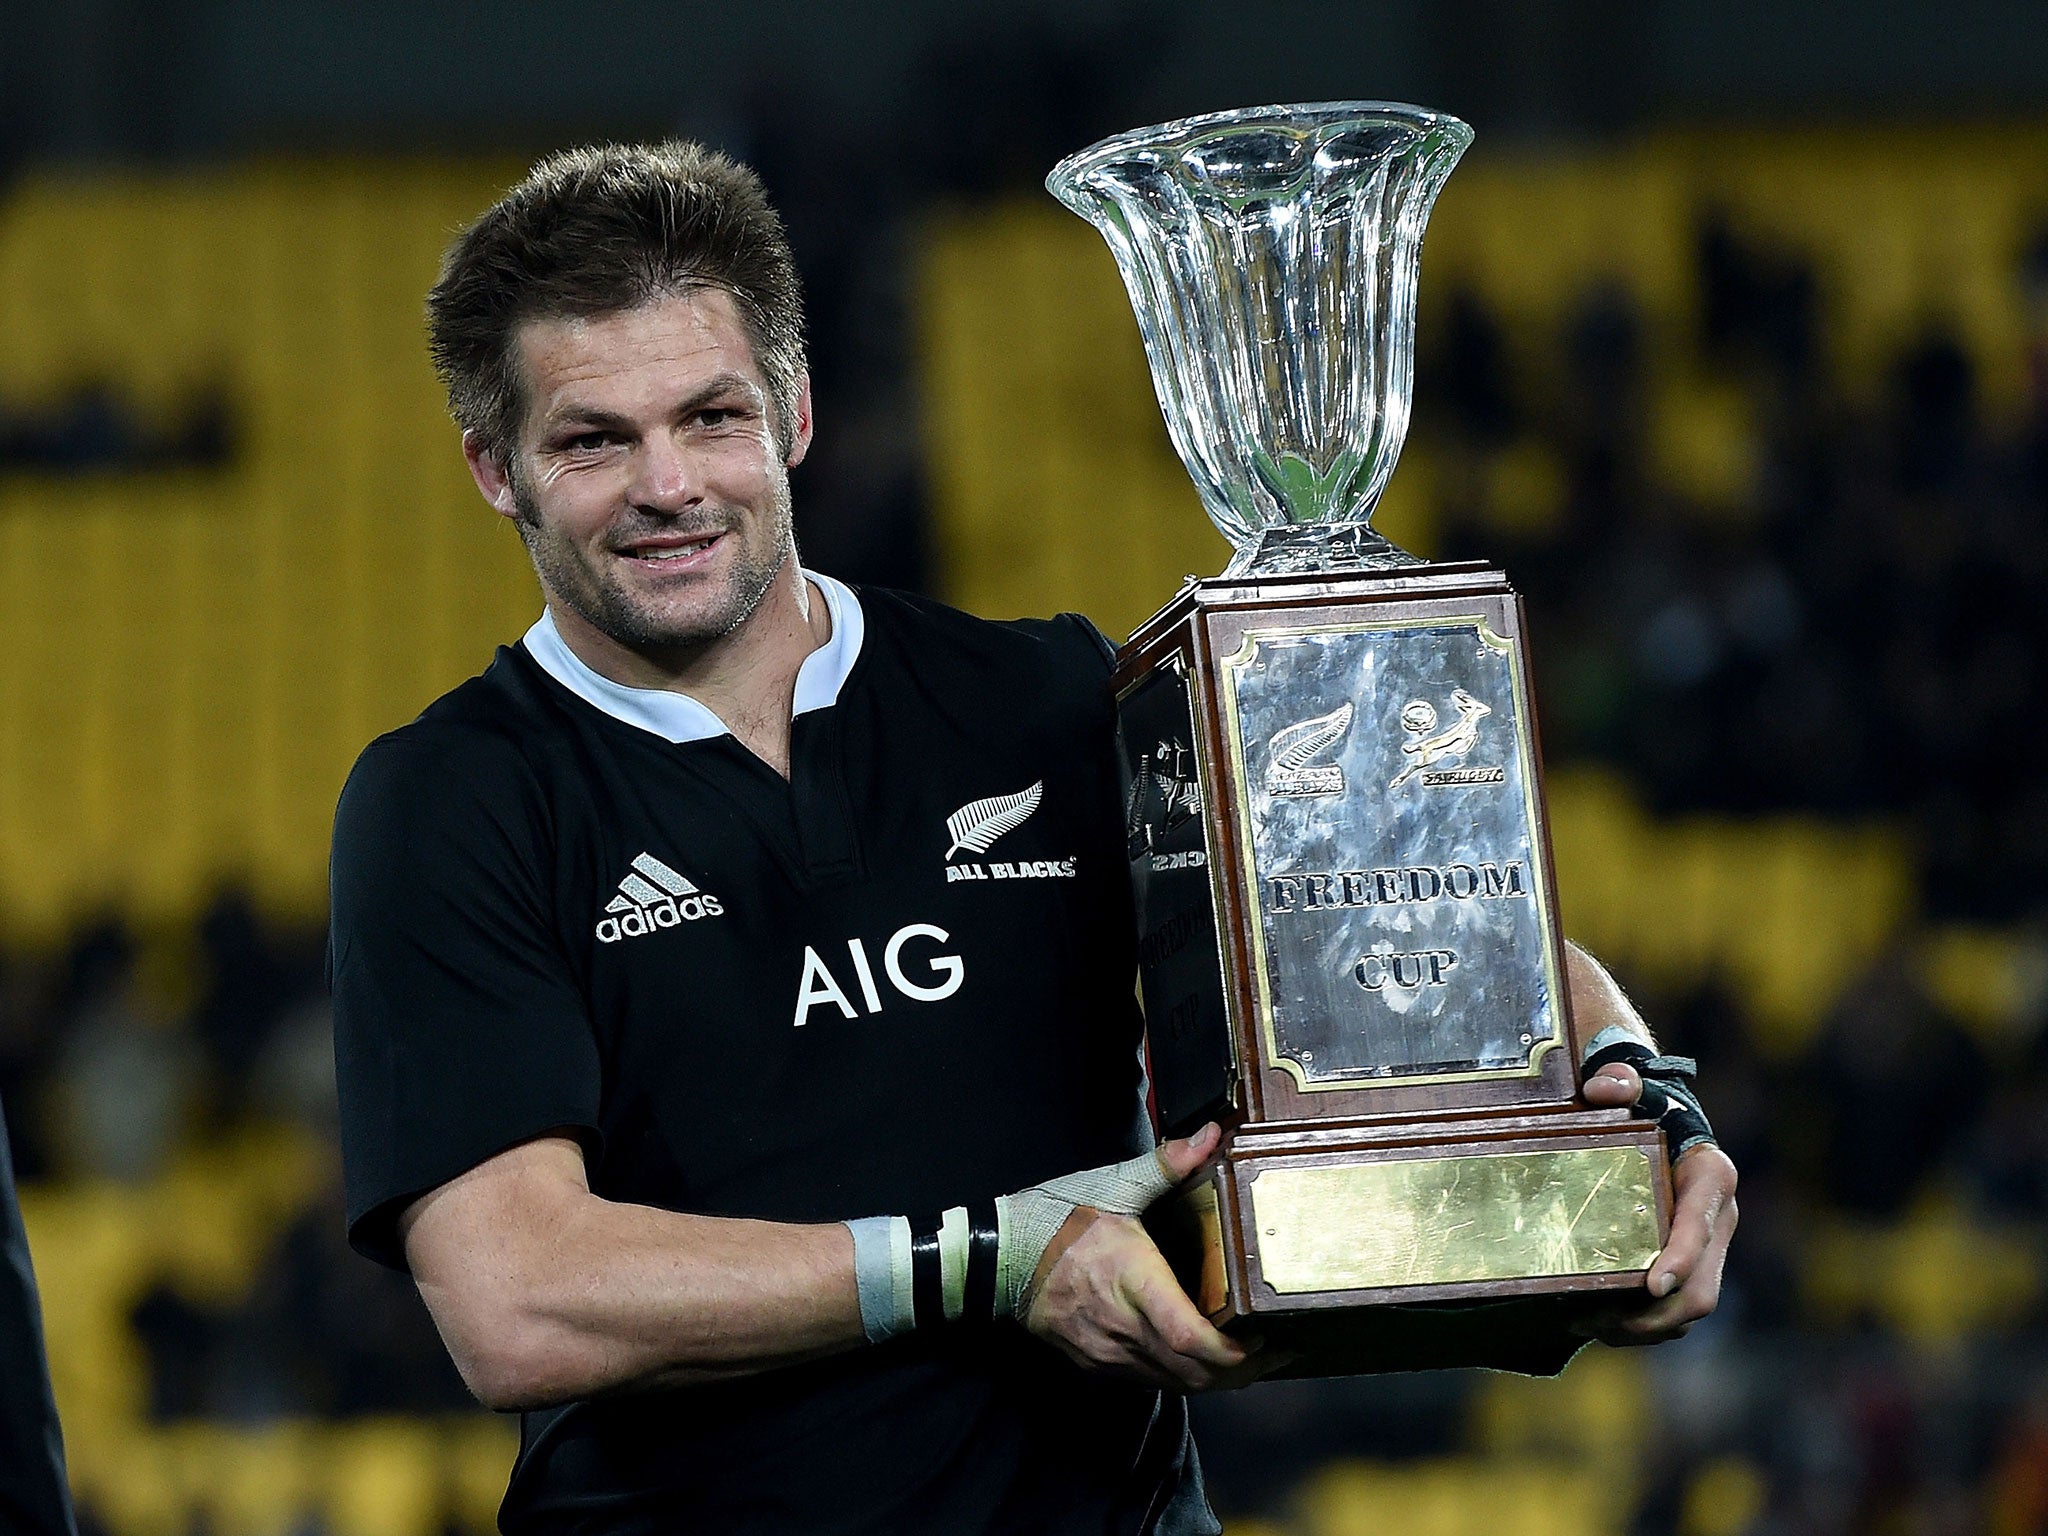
[(1386, 776)]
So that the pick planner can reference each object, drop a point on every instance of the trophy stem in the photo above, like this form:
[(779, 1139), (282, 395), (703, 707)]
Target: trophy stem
[(1320, 547)]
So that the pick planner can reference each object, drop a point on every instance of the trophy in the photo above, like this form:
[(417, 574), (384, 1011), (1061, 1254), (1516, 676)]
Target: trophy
[(1349, 945)]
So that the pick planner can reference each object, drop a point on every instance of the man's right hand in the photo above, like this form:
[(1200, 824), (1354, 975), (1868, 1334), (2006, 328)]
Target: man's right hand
[(1103, 1294)]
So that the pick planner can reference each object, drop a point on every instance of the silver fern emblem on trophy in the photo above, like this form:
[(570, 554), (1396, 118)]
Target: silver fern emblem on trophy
[(1292, 769)]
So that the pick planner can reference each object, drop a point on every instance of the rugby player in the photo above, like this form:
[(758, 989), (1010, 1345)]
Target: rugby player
[(781, 1174)]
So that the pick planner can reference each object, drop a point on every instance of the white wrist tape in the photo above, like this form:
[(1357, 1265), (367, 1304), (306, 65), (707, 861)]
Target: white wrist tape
[(1029, 1219), (940, 1271), (881, 1271)]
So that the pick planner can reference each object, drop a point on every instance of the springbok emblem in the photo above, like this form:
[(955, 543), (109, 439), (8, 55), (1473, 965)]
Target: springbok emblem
[(1447, 745)]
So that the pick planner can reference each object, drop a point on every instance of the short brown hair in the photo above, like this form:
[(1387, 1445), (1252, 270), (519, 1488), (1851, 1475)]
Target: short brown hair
[(597, 230)]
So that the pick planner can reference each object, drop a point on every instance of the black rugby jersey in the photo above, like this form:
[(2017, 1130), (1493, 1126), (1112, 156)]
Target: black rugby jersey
[(34, 1500), (900, 980)]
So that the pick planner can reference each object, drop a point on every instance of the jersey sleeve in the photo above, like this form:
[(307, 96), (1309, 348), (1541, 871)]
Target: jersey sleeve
[(459, 1027), (1100, 643)]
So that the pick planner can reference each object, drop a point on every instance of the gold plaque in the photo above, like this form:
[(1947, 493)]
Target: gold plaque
[(1213, 1289), (1445, 1220)]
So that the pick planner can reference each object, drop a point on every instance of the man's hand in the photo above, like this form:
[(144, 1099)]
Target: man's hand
[(1685, 1281), (1105, 1296)]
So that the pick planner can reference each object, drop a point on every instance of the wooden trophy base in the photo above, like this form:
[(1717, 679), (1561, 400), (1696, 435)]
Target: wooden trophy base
[(1461, 1241)]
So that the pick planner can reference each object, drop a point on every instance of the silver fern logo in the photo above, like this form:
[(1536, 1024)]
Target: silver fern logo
[(979, 823), (975, 827), (1291, 770)]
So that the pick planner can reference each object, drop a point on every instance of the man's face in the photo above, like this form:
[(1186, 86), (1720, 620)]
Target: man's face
[(647, 482)]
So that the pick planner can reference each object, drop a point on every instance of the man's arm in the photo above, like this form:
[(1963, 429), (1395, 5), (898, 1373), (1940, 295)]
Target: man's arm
[(1685, 1281), (545, 1292)]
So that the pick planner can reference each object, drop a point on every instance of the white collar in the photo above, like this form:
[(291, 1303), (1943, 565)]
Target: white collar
[(677, 716)]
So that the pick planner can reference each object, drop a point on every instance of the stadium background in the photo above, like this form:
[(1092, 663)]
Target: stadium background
[(1734, 350)]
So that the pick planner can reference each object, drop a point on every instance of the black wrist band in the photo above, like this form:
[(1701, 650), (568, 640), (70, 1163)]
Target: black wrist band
[(984, 1243), (927, 1283), (1668, 1098)]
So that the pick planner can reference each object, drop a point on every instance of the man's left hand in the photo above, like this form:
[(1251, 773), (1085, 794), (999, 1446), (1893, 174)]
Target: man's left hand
[(1684, 1283)]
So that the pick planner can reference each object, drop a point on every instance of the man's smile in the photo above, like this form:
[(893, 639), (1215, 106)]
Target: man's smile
[(675, 551)]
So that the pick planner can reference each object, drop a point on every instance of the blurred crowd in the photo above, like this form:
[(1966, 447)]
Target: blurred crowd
[(1852, 630), (116, 1056)]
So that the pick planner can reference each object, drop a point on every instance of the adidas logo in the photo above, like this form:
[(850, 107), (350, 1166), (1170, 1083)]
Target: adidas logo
[(653, 896)]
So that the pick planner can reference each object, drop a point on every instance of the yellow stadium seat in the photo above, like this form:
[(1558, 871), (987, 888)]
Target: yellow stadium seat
[(480, 1454), (1461, 1496), (384, 1478), (1726, 1497), (1594, 1415), (261, 1483)]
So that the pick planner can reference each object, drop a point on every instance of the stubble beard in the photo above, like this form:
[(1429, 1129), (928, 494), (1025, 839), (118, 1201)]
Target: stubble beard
[(567, 575)]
